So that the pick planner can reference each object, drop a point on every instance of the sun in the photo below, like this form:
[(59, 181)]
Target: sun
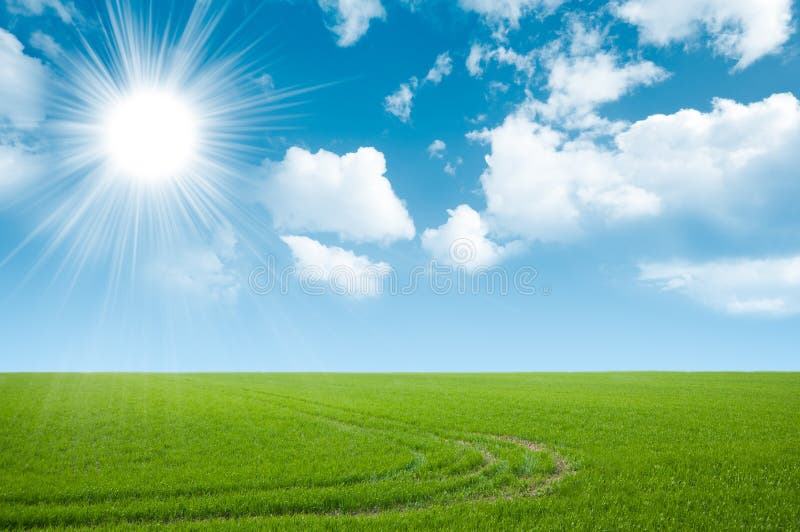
[(157, 120), (151, 135)]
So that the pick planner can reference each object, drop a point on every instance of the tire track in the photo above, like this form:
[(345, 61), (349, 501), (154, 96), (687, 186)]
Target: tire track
[(486, 483)]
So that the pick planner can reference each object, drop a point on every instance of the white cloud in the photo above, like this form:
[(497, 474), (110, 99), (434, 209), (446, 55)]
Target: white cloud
[(504, 14), (442, 67), (481, 55), (348, 195), (226, 243), (584, 40), (477, 119), (345, 272), (498, 87), (203, 272), (578, 84), (437, 149), (620, 202), (200, 273), (22, 83), (581, 83), (66, 12), (46, 43), (541, 185), (399, 102), (768, 286), (715, 164), (19, 167), (413, 5), (451, 166), (463, 241), (22, 110), (350, 19), (266, 81), (743, 30), (475, 60)]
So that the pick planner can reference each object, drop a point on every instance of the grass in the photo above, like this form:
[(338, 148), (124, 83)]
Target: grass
[(510, 451)]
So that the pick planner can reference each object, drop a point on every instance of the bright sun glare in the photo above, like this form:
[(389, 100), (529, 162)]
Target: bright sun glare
[(151, 135), (158, 114)]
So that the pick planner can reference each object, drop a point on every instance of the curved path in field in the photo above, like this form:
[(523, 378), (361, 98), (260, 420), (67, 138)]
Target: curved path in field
[(446, 469)]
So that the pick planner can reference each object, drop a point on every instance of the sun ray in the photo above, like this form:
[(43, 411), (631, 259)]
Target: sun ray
[(153, 124)]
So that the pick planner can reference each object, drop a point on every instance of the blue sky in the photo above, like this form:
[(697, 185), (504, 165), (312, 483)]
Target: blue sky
[(639, 156)]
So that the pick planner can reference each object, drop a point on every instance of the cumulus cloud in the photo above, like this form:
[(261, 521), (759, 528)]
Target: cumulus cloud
[(769, 286), (541, 185), (348, 195), (581, 77), (463, 241), (578, 85), (505, 14), (481, 55), (65, 11), (442, 67), (743, 30), (437, 149), (345, 272), (715, 163), (350, 19), (399, 102), (22, 84)]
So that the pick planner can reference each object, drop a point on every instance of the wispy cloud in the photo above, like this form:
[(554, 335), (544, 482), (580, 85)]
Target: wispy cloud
[(399, 103), (769, 286)]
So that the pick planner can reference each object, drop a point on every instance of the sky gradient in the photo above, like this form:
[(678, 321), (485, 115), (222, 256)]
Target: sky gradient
[(628, 169)]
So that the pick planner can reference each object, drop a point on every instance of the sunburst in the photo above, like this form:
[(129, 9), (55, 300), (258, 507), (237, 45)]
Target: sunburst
[(153, 121)]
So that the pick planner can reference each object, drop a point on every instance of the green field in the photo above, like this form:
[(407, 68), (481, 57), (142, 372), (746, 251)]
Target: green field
[(587, 451)]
